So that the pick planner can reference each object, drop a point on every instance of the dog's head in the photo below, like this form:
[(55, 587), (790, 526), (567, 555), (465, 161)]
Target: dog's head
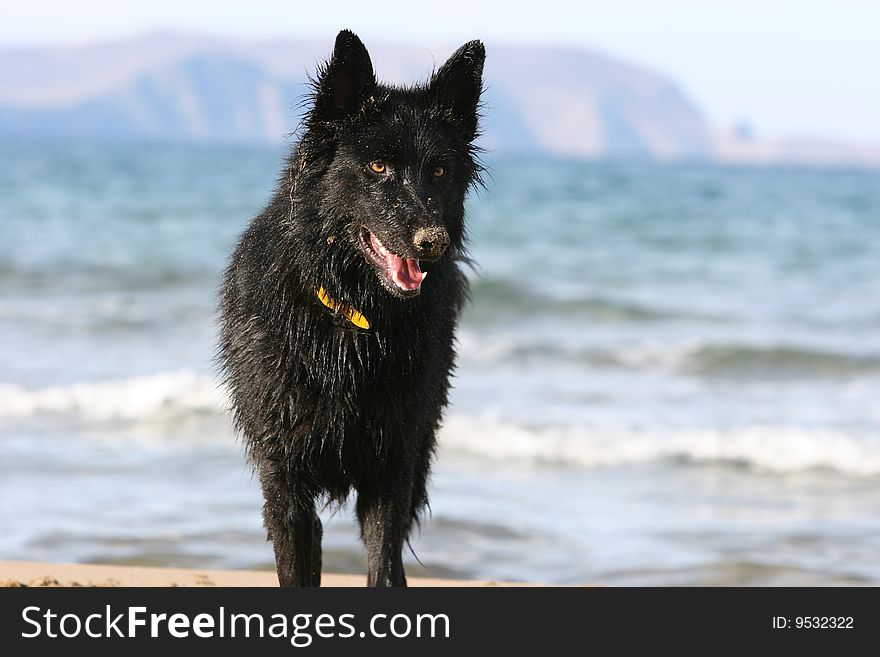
[(391, 166)]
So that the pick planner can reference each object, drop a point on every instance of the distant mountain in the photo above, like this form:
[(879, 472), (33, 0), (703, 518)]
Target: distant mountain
[(568, 102), (539, 100)]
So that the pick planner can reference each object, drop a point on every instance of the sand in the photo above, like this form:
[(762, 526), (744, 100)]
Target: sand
[(28, 573)]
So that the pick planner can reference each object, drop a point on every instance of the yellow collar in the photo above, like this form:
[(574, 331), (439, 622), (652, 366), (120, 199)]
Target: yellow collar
[(348, 312)]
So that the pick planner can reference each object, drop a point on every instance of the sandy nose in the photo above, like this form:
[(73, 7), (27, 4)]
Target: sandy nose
[(431, 242)]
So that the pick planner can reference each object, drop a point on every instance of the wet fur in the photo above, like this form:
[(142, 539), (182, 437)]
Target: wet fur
[(326, 408)]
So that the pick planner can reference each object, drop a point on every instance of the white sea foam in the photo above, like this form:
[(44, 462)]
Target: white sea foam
[(136, 398), (771, 449), (656, 355), (779, 449)]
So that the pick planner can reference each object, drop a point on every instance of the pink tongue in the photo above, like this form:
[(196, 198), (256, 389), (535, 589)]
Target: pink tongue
[(404, 272)]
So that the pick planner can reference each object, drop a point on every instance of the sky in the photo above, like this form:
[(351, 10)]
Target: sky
[(788, 68)]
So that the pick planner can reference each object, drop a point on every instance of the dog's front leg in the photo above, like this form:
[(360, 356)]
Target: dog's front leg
[(295, 530), (385, 517)]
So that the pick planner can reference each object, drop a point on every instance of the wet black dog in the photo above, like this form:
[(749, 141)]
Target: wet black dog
[(340, 304)]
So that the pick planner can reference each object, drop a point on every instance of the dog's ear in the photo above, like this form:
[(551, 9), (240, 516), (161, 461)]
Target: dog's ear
[(456, 87), (345, 81)]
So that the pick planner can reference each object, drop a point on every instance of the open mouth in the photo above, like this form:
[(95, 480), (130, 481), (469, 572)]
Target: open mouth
[(402, 276)]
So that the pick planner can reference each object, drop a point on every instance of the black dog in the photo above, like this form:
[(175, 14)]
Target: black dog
[(340, 305)]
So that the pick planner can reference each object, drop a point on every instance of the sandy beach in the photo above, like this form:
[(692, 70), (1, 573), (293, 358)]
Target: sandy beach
[(29, 573)]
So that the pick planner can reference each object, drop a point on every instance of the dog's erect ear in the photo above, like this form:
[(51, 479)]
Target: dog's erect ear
[(457, 85), (345, 81)]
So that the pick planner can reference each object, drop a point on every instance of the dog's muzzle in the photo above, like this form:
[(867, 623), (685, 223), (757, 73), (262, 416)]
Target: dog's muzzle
[(431, 242)]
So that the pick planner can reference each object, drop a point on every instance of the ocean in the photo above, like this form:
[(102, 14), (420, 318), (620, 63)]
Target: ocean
[(668, 374)]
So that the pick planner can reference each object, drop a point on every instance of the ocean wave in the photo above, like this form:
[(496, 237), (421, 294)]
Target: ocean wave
[(68, 278), (770, 449), (691, 358), (745, 360), (499, 298), (148, 397), (186, 394)]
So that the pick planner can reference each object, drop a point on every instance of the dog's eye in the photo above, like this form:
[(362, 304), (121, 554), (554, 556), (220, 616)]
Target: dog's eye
[(439, 172), (377, 167)]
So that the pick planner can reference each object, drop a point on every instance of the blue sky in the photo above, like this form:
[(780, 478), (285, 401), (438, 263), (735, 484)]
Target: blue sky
[(788, 67)]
